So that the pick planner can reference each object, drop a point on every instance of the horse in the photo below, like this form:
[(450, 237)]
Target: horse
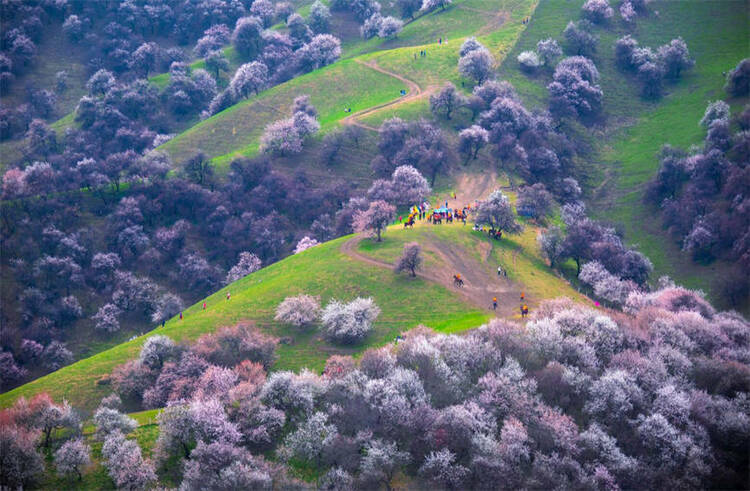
[(458, 282), (437, 220), (409, 223)]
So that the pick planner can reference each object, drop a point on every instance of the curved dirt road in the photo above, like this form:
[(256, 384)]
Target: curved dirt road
[(414, 92)]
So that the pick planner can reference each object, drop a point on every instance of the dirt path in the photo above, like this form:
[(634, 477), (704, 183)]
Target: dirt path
[(414, 92), (481, 282)]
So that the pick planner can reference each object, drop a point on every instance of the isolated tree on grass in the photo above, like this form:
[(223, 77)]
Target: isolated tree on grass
[(410, 260), (322, 50), (477, 64), (446, 101), (72, 457), (108, 420), (125, 464), (497, 213), (299, 311), (471, 140), (351, 322), (650, 75), (376, 218), (675, 57), (281, 138)]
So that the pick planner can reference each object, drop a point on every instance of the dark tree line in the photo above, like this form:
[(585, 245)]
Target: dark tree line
[(702, 196)]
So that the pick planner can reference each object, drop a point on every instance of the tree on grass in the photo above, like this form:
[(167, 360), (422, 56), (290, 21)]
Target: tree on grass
[(217, 61), (471, 140), (580, 38), (351, 322), (551, 244), (529, 61), (73, 456), (376, 218), (446, 101), (675, 57), (548, 50), (299, 311), (477, 64), (496, 212), (410, 260)]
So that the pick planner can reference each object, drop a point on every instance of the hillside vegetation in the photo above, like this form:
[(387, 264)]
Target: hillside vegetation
[(634, 129), (323, 271)]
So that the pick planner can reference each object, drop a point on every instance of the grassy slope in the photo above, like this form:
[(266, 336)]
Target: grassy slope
[(346, 83), (237, 130), (517, 254), (717, 35), (321, 271)]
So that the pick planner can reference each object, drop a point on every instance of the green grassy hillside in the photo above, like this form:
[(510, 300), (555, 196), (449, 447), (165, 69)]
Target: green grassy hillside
[(625, 147), (323, 271), (237, 130)]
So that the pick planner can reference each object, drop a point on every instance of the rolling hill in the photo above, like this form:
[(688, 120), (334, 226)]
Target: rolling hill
[(340, 269)]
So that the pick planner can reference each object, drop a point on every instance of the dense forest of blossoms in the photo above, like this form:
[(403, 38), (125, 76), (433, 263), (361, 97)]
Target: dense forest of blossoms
[(576, 398)]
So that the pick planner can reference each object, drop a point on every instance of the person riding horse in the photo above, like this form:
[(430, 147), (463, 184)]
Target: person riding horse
[(457, 281)]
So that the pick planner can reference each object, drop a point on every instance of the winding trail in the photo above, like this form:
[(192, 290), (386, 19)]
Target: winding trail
[(481, 281), (415, 92)]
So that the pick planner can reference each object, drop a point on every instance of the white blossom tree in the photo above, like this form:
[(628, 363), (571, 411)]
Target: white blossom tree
[(299, 311)]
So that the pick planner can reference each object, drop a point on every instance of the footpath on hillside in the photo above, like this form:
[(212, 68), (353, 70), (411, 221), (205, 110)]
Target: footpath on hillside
[(481, 281), (414, 92)]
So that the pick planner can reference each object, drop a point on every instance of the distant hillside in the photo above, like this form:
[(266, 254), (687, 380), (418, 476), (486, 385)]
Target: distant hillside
[(717, 36)]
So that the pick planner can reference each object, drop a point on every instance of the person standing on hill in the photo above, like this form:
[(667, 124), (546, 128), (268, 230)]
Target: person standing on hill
[(494, 303)]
